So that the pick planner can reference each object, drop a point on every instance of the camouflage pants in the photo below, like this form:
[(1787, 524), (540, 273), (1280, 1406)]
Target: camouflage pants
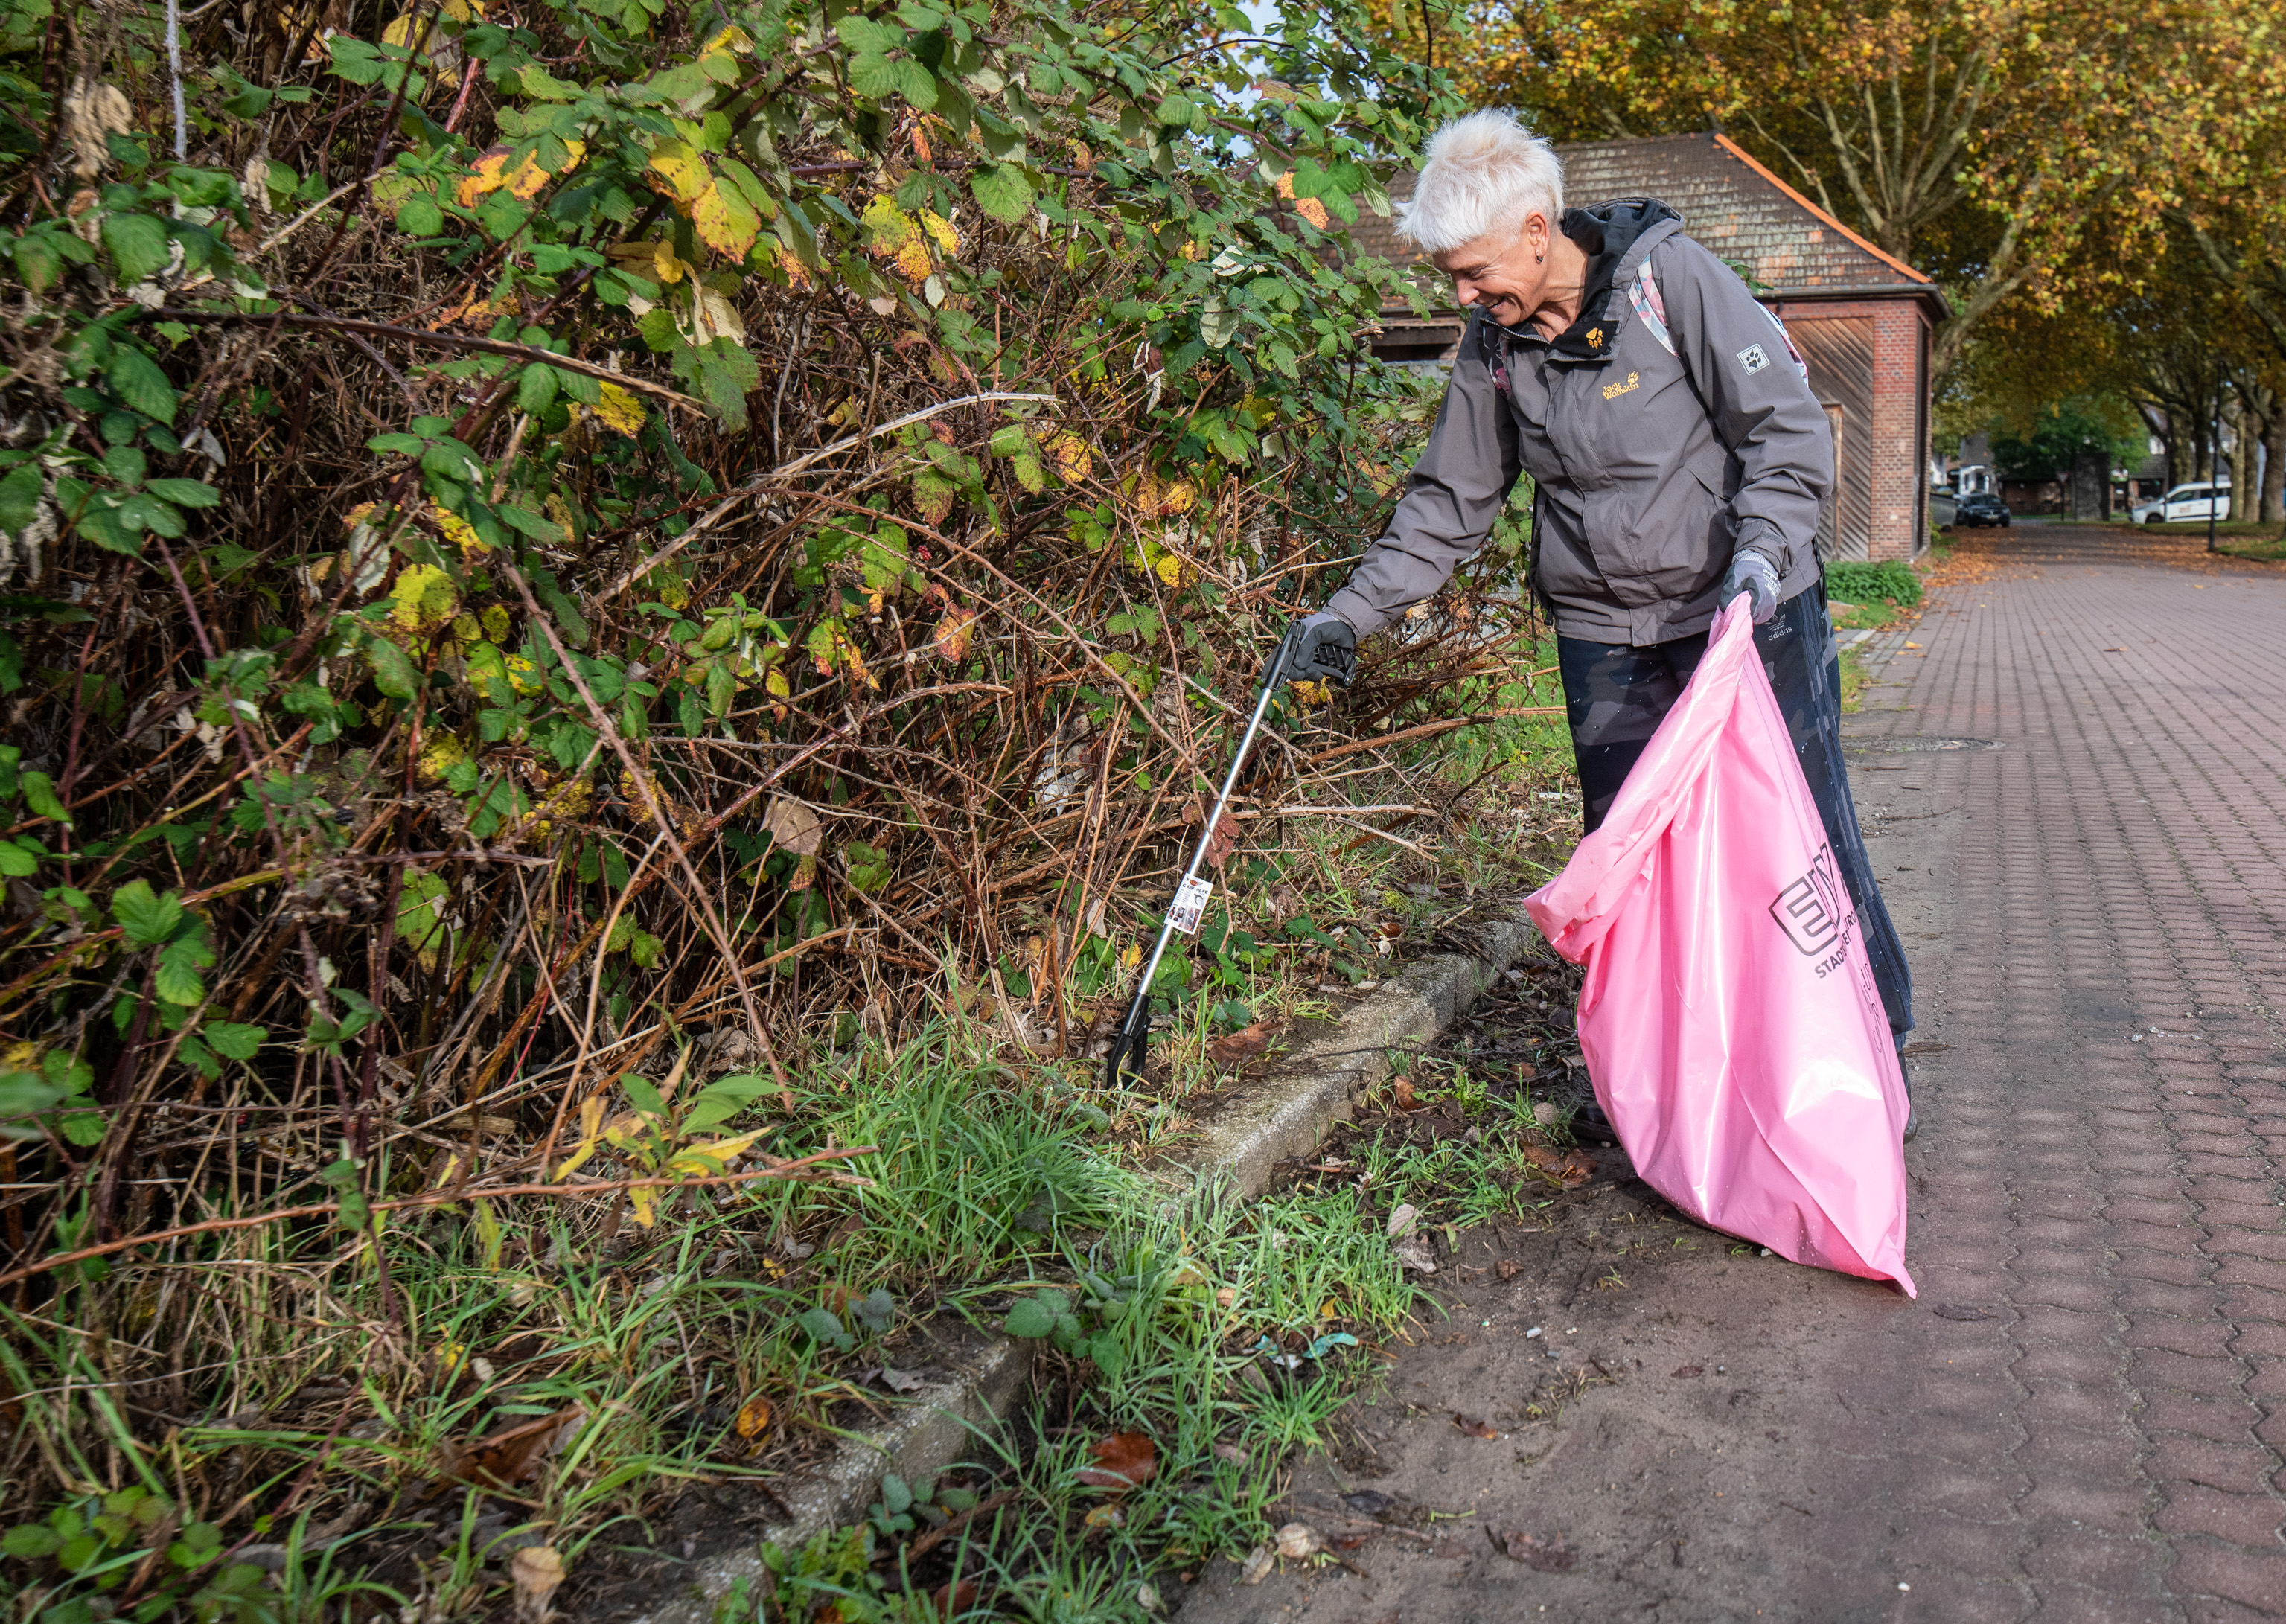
[(1617, 694)]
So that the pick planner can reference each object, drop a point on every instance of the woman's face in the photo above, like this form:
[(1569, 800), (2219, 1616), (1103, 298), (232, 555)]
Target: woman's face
[(1506, 278)]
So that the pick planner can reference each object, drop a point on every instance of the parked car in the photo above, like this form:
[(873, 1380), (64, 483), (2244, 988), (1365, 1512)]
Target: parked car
[(1983, 508), (2189, 502), (1944, 508)]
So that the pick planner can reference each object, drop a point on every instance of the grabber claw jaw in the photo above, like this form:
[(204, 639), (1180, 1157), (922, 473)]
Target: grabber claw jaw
[(1132, 1037)]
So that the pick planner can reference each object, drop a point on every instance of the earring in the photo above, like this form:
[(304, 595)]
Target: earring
[(1537, 258)]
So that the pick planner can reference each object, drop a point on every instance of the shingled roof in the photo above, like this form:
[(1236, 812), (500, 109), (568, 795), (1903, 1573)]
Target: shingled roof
[(1728, 201)]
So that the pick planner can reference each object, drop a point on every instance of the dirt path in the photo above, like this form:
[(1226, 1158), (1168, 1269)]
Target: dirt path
[(2083, 1416)]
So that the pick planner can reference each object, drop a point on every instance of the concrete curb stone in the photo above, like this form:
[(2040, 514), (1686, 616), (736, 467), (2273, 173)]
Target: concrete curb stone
[(1282, 1116)]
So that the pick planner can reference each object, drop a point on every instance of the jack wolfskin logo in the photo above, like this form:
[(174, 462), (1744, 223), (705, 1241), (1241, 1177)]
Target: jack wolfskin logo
[(1595, 338), (1612, 392), (1813, 909), (1752, 358)]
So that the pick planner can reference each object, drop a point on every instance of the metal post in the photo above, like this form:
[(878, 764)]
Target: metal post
[(2214, 463)]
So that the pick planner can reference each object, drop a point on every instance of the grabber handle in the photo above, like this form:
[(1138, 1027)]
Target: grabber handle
[(1133, 1036)]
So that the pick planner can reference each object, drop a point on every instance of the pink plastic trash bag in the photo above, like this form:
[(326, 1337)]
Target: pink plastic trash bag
[(1729, 1018)]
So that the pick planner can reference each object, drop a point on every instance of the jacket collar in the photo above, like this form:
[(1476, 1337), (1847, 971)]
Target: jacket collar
[(1616, 237)]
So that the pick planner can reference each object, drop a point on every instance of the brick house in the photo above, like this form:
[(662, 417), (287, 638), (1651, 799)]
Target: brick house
[(1861, 319)]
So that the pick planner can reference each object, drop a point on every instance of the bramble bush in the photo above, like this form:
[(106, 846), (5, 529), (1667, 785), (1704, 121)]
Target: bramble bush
[(539, 535)]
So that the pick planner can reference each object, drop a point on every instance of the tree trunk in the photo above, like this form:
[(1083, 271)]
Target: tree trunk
[(2087, 479), (2273, 464), (2242, 472)]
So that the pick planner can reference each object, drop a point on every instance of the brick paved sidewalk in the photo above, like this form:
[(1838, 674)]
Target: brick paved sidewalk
[(2084, 1415), (2097, 905)]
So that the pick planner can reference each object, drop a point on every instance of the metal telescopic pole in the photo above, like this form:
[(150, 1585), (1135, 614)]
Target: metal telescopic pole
[(1134, 1033)]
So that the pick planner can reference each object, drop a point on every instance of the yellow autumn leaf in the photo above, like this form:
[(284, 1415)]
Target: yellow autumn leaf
[(753, 1417), (458, 531), (732, 38), (669, 267), (619, 412), (1073, 459), (640, 1203), (725, 222), (530, 176), (424, 597), (489, 175), (682, 172), (942, 232), (442, 754), (1171, 570)]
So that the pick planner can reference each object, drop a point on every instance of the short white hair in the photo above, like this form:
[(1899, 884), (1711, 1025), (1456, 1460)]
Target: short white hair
[(1486, 174)]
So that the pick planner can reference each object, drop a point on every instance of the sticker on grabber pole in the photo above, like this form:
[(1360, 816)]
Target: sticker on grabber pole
[(1190, 905)]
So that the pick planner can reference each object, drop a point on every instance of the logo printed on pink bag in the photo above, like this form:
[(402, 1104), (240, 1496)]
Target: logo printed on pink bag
[(1814, 910)]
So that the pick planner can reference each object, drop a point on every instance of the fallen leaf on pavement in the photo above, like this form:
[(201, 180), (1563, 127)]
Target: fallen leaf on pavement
[(1298, 1539), (1243, 1045), (1507, 1269), (504, 1458), (1544, 1556), (1568, 1167), (1123, 1461), (537, 1570), (1474, 1429), (1690, 1370), (754, 1416)]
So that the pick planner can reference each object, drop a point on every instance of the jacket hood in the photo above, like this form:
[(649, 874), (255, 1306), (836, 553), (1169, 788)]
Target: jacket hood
[(1610, 232)]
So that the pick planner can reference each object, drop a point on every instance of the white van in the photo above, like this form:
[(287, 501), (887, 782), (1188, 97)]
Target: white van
[(2187, 502)]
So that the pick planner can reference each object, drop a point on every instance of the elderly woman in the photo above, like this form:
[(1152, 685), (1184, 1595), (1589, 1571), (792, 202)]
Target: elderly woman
[(1678, 457)]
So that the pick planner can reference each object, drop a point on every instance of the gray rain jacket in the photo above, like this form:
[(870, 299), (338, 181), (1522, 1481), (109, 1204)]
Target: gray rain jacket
[(1671, 425)]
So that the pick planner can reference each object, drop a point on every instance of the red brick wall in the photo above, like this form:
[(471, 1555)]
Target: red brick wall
[(1893, 476)]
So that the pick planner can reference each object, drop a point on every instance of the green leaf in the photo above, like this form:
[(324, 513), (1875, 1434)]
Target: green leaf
[(136, 378), (642, 1095), (185, 492), (39, 792), (1003, 192), (137, 244), (535, 390), (236, 1040), (15, 861), (29, 1540), (418, 215), (180, 963), (1028, 1320), (20, 499), (914, 83), (392, 672), (1176, 111), (37, 262)]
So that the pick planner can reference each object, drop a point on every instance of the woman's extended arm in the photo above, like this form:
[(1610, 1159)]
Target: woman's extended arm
[(1452, 496)]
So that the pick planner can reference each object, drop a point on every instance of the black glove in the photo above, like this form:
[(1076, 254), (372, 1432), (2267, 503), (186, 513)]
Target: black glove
[(1325, 650), (1756, 576)]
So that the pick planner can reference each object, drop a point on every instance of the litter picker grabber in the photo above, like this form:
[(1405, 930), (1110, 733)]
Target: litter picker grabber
[(1133, 1037)]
